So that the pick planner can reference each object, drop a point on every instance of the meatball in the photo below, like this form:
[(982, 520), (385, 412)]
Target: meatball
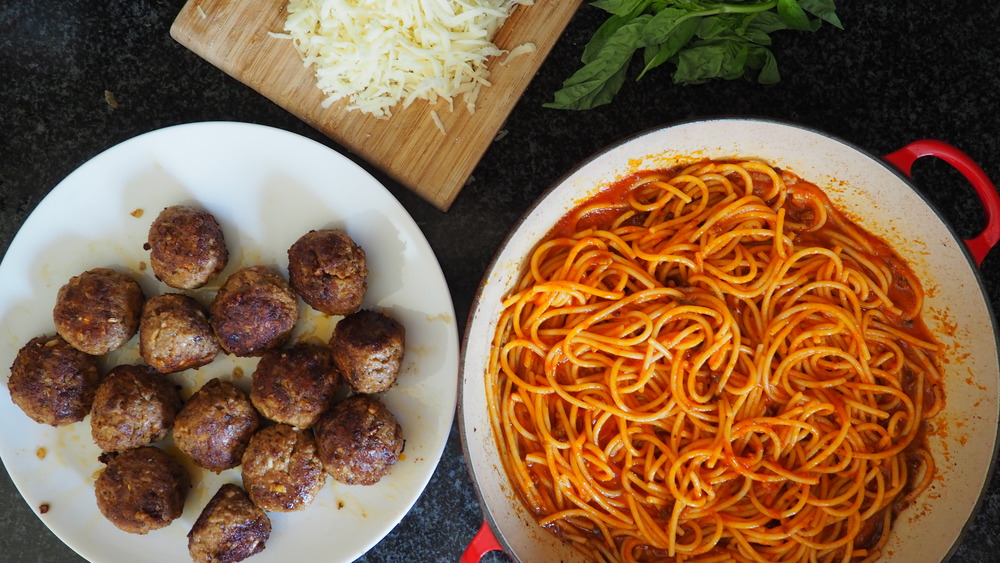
[(358, 440), (281, 469), (368, 350), (174, 333), (186, 247), (53, 382), (294, 386), (215, 425), (229, 529), (142, 489), (134, 406), (327, 269), (255, 310), (98, 310)]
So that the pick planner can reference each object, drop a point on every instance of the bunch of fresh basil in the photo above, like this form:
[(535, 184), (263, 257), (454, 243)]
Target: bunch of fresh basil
[(703, 40)]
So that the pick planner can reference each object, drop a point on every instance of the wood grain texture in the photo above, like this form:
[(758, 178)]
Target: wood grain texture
[(234, 36)]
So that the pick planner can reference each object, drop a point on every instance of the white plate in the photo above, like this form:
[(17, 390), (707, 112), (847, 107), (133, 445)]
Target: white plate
[(266, 187)]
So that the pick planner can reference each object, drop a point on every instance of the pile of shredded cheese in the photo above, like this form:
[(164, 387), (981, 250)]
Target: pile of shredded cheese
[(378, 53)]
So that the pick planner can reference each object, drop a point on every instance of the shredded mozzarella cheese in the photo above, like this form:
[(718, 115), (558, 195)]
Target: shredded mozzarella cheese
[(378, 53), (438, 123), (516, 52)]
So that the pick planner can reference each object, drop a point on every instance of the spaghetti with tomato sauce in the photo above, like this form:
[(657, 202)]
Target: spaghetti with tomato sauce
[(713, 363)]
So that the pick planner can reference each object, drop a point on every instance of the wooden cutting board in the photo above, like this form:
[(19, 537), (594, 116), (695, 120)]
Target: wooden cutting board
[(234, 36)]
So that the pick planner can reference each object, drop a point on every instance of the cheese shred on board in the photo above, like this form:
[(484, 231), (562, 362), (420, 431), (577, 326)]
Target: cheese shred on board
[(379, 53)]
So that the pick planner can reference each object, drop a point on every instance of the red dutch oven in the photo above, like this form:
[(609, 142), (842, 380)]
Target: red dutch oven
[(878, 195)]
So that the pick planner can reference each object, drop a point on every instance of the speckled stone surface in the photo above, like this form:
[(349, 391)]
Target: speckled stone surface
[(900, 71)]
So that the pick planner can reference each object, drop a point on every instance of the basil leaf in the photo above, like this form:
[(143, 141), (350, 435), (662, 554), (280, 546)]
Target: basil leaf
[(679, 35), (662, 25), (824, 10), (725, 58), (756, 36), (793, 15), (762, 60), (597, 82), (698, 64), (703, 39), (611, 26), (712, 28), (769, 70), (601, 36), (588, 95), (621, 7), (767, 22), (734, 61)]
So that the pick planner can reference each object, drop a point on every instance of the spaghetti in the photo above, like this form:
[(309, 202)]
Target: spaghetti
[(713, 363)]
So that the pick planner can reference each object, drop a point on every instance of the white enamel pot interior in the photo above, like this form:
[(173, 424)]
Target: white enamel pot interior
[(962, 438)]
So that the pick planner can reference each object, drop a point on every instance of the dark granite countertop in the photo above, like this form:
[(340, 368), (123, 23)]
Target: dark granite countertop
[(900, 71)]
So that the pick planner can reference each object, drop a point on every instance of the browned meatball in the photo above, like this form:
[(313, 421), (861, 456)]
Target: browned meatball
[(281, 469), (174, 333), (53, 382), (142, 489), (368, 350), (327, 269), (255, 310), (358, 440), (215, 425), (134, 406), (98, 311), (294, 386), (186, 247), (229, 529)]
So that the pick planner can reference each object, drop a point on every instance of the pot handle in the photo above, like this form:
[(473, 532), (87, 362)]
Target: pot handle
[(904, 158), (482, 543)]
